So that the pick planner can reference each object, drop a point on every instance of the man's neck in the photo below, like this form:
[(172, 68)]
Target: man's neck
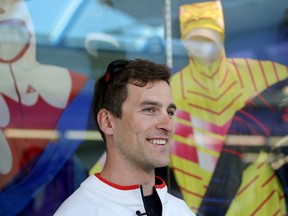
[(126, 177)]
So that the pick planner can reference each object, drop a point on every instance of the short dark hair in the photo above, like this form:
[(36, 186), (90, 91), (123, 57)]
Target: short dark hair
[(110, 90)]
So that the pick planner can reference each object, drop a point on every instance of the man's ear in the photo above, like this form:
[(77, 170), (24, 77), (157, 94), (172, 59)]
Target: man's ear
[(104, 119)]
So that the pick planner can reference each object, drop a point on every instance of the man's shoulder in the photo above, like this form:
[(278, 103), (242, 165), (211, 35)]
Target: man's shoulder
[(83, 199), (180, 205)]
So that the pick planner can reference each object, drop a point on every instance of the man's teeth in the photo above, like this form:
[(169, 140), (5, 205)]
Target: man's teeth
[(158, 141)]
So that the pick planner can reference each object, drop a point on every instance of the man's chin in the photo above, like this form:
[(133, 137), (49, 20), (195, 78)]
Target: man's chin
[(163, 163)]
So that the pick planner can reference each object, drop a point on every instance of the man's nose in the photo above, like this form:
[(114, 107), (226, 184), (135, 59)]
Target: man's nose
[(166, 123)]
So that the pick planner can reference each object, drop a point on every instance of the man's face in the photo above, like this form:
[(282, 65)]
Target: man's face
[(143, 135)]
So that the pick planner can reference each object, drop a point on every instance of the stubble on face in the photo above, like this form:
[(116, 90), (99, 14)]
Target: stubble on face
[(144, 133)]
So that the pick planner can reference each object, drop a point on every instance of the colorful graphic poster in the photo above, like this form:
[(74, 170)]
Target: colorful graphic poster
[(38, 104), (224, 157)]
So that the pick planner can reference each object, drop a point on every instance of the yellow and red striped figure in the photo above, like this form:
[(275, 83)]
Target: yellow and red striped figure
[(208, 92)]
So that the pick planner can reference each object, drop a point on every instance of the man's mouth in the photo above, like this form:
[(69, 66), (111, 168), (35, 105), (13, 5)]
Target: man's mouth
[(158, 141)]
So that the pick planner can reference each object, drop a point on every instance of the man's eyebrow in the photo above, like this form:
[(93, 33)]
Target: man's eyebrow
[(173, 106), (150, 102), (155, 103)]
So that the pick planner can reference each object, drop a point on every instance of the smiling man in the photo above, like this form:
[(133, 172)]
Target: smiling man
[(134, 109)]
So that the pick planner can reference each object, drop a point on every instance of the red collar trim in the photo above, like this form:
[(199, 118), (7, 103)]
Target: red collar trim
[(160, 183), (119, 187)]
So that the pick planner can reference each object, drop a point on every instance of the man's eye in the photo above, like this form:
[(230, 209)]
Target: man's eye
[(171, 112), (149, 109)]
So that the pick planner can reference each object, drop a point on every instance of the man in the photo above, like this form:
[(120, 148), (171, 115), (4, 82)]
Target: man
[(134, 112)]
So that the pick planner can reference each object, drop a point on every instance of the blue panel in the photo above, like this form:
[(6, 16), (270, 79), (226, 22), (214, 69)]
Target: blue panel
[(51, 18), (109, 28), (94, 18)]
